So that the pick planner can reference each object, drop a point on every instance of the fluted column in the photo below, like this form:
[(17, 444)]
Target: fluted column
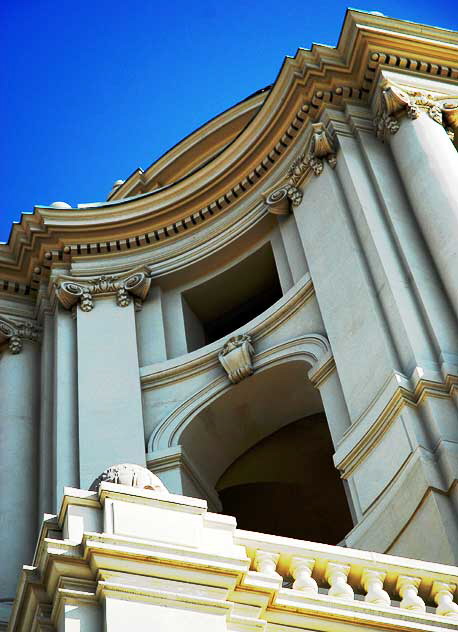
[(18, 453), (419, 130)]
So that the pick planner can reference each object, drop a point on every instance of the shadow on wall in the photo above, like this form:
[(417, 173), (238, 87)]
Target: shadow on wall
[(287, 485)]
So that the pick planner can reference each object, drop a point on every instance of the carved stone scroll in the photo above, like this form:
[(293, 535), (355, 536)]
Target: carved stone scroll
[(281, 200), (236, 357), (288, 194), (70, 290), (16, 332)]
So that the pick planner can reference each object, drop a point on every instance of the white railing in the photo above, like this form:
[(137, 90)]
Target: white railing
[(325, 573)]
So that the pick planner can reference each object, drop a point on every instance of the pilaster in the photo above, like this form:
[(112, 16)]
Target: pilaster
[(19, 395)]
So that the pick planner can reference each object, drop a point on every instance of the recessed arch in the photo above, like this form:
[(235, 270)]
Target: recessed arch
[(313, 350), (279, 405)]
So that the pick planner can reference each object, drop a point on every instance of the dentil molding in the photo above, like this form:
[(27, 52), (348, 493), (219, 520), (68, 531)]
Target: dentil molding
[(72, 290)]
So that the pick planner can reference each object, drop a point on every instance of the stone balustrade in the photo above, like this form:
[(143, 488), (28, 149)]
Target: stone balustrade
[(184, 568), (333, 576)]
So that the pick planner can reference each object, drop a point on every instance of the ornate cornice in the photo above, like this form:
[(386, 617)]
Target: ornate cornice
[(15, 332), (72, 290), (307, 84), (397, 102)]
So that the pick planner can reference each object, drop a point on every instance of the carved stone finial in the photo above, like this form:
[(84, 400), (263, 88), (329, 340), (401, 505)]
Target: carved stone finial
[(16, 332), (131, 475), (236, 357), (70, 290)]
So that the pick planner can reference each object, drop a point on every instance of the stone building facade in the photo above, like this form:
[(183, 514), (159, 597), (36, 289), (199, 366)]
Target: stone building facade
[(266, 320)]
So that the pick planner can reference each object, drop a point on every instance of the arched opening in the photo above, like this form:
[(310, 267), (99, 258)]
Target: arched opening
[(264, 445), (287, 485)]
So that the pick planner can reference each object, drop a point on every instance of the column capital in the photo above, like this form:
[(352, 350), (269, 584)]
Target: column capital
[(287, 193), (397, 101), (15, 332), (72, 290)]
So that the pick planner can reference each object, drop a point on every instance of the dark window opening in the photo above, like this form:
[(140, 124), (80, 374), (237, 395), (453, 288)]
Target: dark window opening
[(226, 302)]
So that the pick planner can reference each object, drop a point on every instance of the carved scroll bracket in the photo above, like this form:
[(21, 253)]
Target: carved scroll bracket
[(236, 358), (70, 290), (396, 102), (289, 194), (15, 332)]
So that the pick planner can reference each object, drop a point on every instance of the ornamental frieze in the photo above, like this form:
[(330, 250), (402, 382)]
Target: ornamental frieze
[(396, 102), (72, 290), (321, 148), (15, 332)]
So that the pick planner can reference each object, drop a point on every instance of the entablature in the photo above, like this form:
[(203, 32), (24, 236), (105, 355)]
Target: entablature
[(306, 86)]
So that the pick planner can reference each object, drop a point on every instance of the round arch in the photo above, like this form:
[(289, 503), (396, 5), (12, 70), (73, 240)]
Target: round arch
[(312, 350)]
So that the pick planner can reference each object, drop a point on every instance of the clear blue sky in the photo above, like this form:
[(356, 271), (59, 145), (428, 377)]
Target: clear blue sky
[(92, 90)]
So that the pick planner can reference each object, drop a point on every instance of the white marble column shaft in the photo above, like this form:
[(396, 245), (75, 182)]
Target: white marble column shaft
[(65, 417), (428, 165), (18, 463), (109, 396)]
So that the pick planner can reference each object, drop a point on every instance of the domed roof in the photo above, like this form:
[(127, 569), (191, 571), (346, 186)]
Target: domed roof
[(130, 475), (61, 205)]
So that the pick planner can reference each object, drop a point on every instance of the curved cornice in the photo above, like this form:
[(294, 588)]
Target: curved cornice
[(194, 150), (305, 86)]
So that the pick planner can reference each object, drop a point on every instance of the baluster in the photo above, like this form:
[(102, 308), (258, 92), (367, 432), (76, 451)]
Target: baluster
[(443, 596), (266, 562), (301, 569), (372, 582), (407, 587), (336, 576)]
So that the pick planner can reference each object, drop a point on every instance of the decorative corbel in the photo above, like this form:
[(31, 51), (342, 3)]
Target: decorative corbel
[(70, 291), (236, 357), (321, 148), (16, 332)]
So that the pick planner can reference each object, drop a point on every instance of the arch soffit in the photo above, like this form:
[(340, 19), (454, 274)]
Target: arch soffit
[(304, 86), (312, 349)]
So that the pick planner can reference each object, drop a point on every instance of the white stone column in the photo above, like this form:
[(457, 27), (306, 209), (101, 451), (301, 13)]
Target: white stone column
[(19, 385), (109, 395), (428, 165), (351, 312), (293, 246), (65, 412), (334, 404), (45, 476)]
